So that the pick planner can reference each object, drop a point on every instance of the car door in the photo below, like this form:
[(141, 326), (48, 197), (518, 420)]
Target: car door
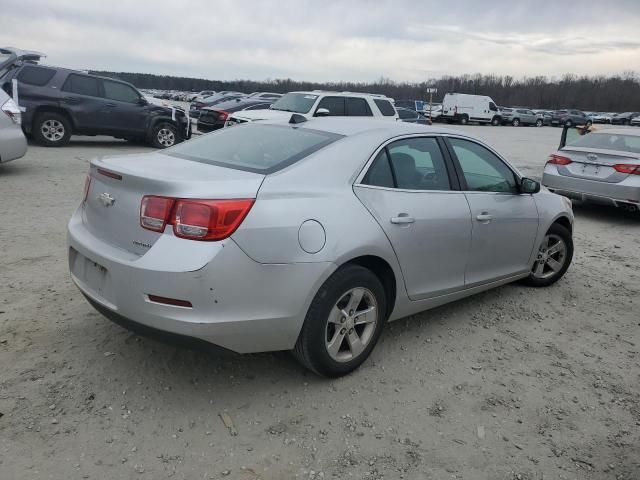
[(81, 97), (128, 114), (413, 195), (505, 222)]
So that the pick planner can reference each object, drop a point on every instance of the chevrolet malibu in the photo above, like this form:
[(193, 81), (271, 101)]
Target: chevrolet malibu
[(308, 235)]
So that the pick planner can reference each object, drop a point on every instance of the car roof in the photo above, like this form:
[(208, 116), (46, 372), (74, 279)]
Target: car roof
[(353, 126), (343, 94)]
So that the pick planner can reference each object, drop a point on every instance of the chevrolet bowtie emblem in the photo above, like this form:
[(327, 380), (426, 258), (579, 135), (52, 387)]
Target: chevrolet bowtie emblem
[(106, 199)]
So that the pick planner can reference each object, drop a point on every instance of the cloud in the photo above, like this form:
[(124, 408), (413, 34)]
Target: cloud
[(330, 40)]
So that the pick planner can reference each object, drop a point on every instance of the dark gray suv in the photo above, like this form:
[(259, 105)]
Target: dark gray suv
[(58, 102), (570, 118)]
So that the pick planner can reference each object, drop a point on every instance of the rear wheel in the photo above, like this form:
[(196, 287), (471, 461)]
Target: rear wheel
[(164, 135), (343, 323), (568, 123), (515, 122), (539, 122), (464, 119), (51, 129), (589, 123), (553, 258)]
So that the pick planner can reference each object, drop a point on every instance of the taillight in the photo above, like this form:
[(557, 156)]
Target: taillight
[(627, 168), (222, 115), (209, 219), (194, 219), (11, 110), (87, 185), (559, 160), (154, 212)]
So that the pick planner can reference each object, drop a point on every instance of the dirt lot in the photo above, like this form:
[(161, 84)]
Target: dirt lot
[(516, 383)]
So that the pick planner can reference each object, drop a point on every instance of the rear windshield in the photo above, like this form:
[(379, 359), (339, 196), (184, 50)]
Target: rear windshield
[(609, 141), (254, 147), (295, 102)]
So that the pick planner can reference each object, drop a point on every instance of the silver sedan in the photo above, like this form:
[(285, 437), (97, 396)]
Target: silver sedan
[(308, 235), (601, 167)]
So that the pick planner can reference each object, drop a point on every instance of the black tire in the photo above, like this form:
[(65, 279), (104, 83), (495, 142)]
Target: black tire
[(495, 121), (311, 349), (163, 135), (464, 119), (539, 122), (51, 129), (562, 233), (589, 123), (625, 122), (568, 123), (515, 122)]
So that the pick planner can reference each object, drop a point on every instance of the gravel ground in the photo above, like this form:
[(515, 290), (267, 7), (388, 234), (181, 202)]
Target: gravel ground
[(515, 383)]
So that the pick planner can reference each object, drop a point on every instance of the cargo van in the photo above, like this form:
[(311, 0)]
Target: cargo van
[(463, 108)]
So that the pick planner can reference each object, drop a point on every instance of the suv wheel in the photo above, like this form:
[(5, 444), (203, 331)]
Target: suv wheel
[(539, 122), (164, 135), (568, 123), (51, 129), (589, 123), (343, 323), (515, 122)]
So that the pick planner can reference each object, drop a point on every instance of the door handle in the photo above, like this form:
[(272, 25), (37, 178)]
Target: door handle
[(402, 219), (110, 105), (484, 217)]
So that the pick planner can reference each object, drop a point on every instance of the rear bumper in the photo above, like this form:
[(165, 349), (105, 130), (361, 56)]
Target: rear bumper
[(625, 192), (237, 303), (13, 143)]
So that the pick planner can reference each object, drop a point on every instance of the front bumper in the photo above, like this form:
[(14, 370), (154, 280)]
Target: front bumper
[(237, 303)]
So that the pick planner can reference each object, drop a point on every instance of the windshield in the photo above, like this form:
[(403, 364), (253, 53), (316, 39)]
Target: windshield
[(609, 141), (295, 102), (254, 147)]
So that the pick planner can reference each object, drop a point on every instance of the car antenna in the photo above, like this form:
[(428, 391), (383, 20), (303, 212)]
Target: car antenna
[(296, 118)]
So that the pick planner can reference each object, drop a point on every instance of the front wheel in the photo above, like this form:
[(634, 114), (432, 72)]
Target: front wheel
[(343, 323), (553, 258), (539, 123), (164, 135), (464, 120), (568, 123), (495, 121), (515, 122)]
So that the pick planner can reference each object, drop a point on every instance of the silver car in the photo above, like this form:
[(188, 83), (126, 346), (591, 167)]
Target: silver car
[(602, 167), (13, 144), (308, 235)]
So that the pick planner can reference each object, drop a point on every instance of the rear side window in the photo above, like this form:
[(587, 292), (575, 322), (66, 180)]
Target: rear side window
[(120, 92), (385, 107), (335, 105), (406, 114), (254, 147), (379, 173), (81, 85), (35, 75), (358, 107)]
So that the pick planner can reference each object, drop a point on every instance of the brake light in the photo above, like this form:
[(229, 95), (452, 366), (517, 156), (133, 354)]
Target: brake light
[(222, 115), (559, 160), (627, 168), (154, 212), (87, 185), (109, 174), (194, 219), (11, 110)]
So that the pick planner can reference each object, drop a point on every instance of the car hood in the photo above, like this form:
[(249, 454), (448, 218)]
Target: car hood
[(267, 114)]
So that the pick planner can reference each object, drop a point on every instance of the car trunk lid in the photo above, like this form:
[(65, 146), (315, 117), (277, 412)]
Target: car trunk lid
[(118, 184), (596, 164)]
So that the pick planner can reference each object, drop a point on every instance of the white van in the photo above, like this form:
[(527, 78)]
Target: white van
[(464, 108)]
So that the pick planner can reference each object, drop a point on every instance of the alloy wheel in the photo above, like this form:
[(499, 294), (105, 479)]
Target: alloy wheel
[(551, 257), (351, 324), (166, 137), (52, 130)]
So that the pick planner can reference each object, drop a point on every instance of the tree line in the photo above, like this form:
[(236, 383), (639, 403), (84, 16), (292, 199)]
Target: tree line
[(615, 93)]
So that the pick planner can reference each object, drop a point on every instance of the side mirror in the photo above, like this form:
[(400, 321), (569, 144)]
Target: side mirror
[(322, 112), (528, 185), (142, 101)]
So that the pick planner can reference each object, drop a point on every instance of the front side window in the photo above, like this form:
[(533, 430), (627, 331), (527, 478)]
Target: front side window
[(410, 164), (335, 105), (358, 107), (385, 107), (483, 171), (492, 107), (81, 85), (120, 92)]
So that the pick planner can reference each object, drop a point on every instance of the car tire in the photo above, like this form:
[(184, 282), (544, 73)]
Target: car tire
[(589, 123), (163, 135), (515, 122), (51, 129), (324, 345), (464, 119), (624, 122), (495, 121), (558, 239), (568, 123), (539, 123)]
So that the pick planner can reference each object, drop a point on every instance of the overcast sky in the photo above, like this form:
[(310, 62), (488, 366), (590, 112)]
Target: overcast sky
[(324, 40)]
